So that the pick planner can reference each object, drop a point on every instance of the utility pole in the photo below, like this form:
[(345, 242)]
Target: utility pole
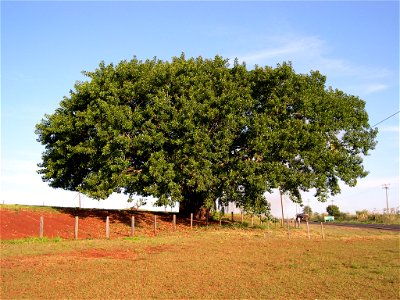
[(386, 187)]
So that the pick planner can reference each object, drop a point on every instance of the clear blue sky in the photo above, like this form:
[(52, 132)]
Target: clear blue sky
[(46, 45)]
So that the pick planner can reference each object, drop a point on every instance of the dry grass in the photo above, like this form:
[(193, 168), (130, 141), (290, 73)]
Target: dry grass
[(208, 263), (18, 207)]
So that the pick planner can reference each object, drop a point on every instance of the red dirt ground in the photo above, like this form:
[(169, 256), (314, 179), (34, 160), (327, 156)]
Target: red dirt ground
[(22, 223)]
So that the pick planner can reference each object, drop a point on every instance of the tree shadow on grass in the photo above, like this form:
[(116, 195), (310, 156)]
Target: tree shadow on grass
[(124, 216)]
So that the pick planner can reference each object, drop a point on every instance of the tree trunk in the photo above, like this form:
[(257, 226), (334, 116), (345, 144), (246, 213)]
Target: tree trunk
[(193, 203)]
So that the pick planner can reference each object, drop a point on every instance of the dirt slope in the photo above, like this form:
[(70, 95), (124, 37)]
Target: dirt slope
[(59, 222)]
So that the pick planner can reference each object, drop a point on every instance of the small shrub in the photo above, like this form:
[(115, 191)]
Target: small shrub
[(217, 215), (362, 215), (316, 217)]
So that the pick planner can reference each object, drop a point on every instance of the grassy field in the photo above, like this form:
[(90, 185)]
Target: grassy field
[(207, 263), (17, 207)]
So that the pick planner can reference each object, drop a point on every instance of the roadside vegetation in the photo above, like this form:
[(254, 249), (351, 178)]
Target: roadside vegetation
[(362, 216)]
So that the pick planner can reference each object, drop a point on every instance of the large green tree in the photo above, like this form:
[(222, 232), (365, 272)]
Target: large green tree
[(196, 130), (307, 210), (307, 136), (333, 210)]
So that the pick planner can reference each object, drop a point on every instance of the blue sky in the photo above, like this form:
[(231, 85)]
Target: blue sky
[(46, 45)]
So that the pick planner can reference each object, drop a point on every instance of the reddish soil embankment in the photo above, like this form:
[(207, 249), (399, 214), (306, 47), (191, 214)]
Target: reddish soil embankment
[(23, 222)]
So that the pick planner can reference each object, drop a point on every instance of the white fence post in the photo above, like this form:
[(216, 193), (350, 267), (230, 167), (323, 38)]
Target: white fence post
[(41, 226), (132, 225), (76, 227), (108, 227)]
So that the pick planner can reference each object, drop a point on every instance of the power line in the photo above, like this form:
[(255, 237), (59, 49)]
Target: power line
[(386, 118)]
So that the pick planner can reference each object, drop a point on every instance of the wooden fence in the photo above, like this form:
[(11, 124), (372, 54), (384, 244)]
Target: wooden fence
[(291, 224)]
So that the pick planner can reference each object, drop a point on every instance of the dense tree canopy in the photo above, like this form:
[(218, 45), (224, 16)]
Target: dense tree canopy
[(307, 210), (194, 130), (333, 210)]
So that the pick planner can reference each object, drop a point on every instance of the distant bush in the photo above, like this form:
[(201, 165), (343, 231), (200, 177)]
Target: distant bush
[(333, 210), (384, 218), (363, 216), (316, 217), (346, 217), (307, 210)]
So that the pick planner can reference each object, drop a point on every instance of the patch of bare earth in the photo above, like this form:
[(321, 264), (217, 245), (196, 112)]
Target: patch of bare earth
[(38, 260)]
